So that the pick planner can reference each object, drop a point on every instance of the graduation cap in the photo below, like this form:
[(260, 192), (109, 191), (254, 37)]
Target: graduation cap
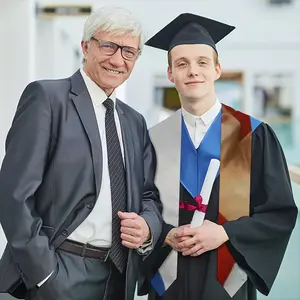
[(190, 29)]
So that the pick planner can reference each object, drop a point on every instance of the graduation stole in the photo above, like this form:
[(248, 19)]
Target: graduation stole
[(231, 135), (234, 190)]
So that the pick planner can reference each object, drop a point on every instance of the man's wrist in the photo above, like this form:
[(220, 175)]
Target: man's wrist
[(167, 239), (149, 237)]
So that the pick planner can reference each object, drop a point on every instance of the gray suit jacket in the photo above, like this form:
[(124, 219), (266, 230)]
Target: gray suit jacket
[(51, 175)]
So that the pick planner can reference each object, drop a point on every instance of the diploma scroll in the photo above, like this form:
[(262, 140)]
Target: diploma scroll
[(209, 180)]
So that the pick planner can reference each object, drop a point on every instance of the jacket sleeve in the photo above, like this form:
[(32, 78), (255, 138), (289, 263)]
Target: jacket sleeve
[(22, 171)]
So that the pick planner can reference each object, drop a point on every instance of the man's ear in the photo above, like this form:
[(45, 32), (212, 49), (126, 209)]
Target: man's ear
[(218, 71), (170, 76), (84, 47)]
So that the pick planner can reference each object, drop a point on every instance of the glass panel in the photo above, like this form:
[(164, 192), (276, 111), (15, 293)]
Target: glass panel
[(286, 286)]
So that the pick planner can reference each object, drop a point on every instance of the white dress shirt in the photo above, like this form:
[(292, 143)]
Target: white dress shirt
[(96, 229), (198, 125)]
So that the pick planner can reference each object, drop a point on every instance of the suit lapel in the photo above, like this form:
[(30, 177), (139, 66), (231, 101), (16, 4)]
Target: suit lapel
[(85, 110), (128, 151)]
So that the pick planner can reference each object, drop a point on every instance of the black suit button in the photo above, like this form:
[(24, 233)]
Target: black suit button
[(64, 232), (90, 205)]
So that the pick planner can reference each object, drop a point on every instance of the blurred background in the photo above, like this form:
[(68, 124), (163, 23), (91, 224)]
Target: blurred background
[(260, 62)]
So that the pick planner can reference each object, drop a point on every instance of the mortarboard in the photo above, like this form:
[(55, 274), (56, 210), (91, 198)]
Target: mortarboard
[(190, 29)]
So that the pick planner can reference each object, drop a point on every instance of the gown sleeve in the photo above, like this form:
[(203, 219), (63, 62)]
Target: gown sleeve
[(258, 242), (153, 262)]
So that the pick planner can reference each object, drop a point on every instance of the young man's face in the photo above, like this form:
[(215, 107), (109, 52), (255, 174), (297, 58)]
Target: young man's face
[(193, 70)]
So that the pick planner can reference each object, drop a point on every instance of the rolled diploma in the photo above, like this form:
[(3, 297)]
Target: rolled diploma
[(209, 180)]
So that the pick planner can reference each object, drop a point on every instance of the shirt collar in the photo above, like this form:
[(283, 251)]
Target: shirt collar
[(207, 118), (98, 96)]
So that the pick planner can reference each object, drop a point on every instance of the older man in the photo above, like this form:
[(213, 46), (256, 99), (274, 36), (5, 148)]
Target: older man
[(78, 204)]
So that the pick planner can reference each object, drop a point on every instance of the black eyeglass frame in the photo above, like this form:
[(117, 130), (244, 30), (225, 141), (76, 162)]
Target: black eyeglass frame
[(136, 52)]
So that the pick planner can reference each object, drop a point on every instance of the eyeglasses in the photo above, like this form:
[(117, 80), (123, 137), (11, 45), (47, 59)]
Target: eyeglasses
[(110, 48)]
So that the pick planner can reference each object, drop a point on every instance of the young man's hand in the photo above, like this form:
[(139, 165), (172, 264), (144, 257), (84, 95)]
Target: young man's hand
[(201, 239)]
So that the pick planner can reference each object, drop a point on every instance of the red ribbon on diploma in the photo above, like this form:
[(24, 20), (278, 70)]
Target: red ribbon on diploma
[(190, 207)]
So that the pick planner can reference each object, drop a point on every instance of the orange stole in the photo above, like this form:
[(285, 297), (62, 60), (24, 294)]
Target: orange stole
[(235, 169)]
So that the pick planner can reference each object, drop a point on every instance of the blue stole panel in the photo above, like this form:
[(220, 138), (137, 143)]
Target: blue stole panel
[(195, 162)]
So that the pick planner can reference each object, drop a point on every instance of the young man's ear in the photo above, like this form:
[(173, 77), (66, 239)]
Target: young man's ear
[(218, 71), (170, 76)]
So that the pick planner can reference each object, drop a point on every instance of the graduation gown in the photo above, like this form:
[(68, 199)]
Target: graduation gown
[(256, 242)]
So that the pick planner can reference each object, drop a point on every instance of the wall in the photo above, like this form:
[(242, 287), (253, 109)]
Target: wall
[(17, 30), (58, 40)]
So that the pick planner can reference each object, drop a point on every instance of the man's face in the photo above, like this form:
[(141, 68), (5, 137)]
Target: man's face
[(193, 71), (108, 71)]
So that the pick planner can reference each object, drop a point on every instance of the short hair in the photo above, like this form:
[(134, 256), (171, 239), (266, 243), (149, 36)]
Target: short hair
[(216, 59), (114, 20)]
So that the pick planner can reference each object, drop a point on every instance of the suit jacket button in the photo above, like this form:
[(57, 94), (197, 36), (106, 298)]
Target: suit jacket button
[(64, 232), (90, 205)]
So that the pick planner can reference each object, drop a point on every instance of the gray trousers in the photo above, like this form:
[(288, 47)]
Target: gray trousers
[(81, 278)]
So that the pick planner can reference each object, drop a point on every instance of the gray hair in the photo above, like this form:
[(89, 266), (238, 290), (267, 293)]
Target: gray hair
[(114, 20)]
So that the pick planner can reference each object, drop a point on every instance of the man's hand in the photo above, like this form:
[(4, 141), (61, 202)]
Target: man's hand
[(134, 230), (204, 238), (174, 237)]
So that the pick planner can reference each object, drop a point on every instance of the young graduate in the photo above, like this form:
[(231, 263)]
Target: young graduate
[(220, 165)]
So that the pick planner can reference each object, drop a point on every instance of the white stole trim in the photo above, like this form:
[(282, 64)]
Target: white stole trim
[(166, 139)]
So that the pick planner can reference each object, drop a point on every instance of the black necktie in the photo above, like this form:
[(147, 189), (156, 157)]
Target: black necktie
[(118, 253)]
